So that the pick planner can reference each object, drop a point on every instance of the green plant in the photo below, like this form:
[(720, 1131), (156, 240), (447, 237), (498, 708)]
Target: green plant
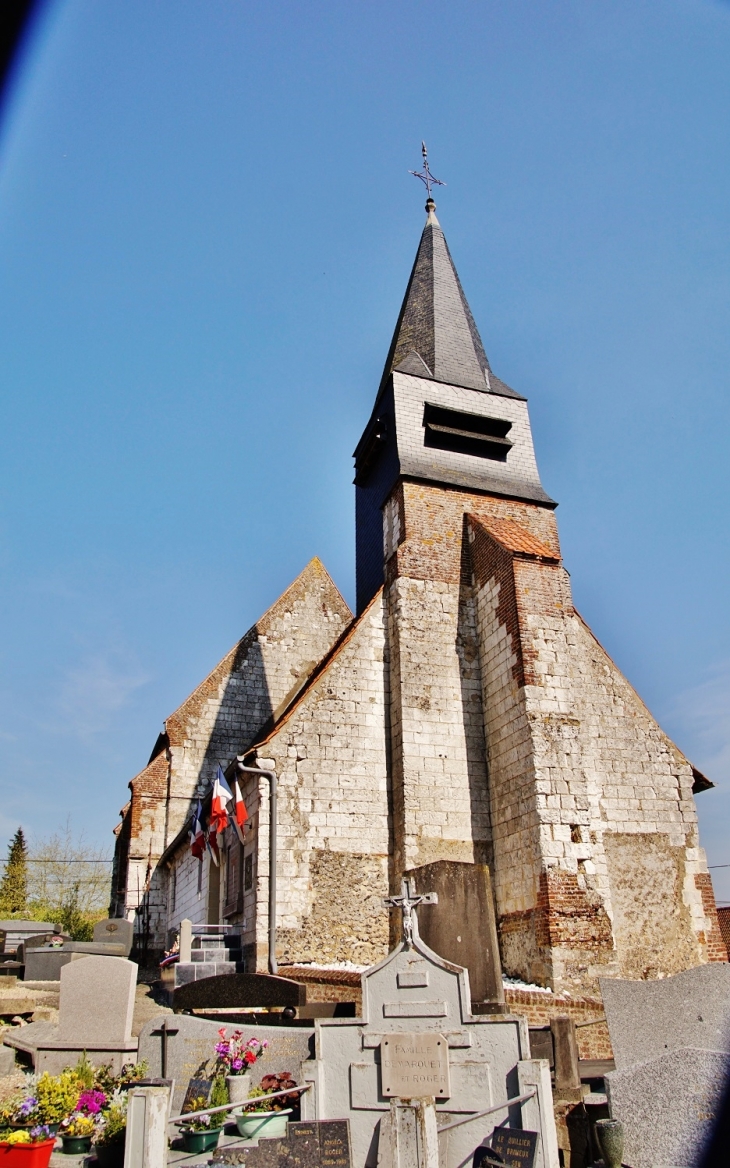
[(218, 1098), (112, 1125), (201, 1122), (105, 1080), (269, 1084), (84, 1072), (14, 884), (57, 1095)]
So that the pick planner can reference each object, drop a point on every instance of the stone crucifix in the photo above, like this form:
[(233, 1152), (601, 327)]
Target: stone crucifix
[(407, 902)]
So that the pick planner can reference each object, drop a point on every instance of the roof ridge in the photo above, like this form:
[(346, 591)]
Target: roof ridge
[(316, 565), (321, 668)]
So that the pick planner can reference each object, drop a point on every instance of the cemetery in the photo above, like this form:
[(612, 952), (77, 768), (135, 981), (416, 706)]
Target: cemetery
[(418, 886), (412, 1071)]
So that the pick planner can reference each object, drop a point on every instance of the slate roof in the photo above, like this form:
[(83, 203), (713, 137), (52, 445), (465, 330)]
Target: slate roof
[(436, 335)]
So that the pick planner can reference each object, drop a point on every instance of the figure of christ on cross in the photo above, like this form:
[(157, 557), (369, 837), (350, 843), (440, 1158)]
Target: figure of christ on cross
[(407, 902)]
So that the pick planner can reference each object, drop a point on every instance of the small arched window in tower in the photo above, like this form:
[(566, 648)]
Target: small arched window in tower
[(463, 433)]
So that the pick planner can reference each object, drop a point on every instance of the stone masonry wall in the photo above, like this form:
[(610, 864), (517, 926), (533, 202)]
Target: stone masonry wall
[(330, 755), (590, 801), (440, 789), (243, 694)]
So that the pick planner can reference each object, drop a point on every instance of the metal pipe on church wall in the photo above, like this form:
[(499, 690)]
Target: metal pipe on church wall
[(271, 776)]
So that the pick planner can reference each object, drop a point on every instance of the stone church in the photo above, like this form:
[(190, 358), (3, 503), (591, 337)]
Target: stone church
[(465, 713)]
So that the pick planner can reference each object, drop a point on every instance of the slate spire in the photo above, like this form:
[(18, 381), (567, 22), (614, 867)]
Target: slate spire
[(436, 335)]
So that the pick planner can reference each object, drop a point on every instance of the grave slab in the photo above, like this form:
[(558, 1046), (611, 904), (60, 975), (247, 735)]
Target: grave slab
[(191, 1047), (668, 1106), (648, 1018)]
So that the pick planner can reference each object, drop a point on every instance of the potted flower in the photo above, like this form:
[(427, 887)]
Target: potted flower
[(24, 1115), (270, 1117), (26, 1149), (200, 1134), (235, 1059), (111, 1130), (76, 1131), (57, 1096)]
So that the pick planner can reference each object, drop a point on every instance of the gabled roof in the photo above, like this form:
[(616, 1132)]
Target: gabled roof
[(436, 336)]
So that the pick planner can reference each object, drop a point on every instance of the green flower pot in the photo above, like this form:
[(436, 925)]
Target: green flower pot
[(201, 1141), (76, 1145), (257, 1125)]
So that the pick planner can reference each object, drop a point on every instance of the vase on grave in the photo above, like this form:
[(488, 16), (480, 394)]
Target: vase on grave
[(257, 1125), (610, 1136), (238, 1087)]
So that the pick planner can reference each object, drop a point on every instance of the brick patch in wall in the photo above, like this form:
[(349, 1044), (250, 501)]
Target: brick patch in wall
[(717, 949)]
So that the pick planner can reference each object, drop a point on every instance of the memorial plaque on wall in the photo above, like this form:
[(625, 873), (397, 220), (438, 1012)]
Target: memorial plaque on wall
[(415, 1066), (517, 1148)]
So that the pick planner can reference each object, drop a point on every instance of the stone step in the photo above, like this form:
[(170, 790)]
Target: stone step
[(187, 971), (215, 954)]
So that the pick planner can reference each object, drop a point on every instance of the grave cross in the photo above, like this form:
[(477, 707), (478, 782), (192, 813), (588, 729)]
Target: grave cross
[(164, 1032), (407, 902)]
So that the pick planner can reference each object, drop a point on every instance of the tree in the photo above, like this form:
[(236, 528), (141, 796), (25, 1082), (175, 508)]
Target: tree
[(14, 884), (69, 882)]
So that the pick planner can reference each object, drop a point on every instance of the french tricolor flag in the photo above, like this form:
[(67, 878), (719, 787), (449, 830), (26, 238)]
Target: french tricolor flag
[(197, 834), (241, 814), (222, 796)]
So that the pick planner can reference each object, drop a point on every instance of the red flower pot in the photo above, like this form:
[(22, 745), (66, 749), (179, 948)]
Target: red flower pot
[(26, 1155)]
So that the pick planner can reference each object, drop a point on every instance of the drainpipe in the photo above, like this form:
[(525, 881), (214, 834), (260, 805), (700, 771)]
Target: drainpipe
[(271, 776)]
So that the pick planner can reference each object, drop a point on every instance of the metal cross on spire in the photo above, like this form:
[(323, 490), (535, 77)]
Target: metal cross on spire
[(407, 903), (425, 175)]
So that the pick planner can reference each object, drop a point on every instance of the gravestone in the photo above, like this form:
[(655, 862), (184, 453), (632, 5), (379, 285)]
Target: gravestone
[(667, 1106), (648, 1018), (95, 1015), (196, 1089), (245, 991), (461, 926), (517, 1149), (323, 1144), (188, 1044), (17, 931), (416, 992), (116, 931)]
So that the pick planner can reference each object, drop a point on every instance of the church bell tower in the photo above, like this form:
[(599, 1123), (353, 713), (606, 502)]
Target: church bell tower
[(513, 738)]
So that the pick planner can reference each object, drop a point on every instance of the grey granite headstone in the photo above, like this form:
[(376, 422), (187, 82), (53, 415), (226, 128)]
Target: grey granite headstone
[(648, 1018), (95, 1015), (191, 1049), (45, 964), (117, 931), (667, 1106)]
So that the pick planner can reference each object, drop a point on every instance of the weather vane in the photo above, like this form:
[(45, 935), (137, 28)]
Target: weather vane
[(425, 175)]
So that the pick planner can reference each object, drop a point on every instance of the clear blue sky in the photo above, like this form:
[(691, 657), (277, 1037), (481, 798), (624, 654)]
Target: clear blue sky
[(206, 228)]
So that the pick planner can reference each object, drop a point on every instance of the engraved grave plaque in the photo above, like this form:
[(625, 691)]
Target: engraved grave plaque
[(517, 1148), (415, 1066)]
